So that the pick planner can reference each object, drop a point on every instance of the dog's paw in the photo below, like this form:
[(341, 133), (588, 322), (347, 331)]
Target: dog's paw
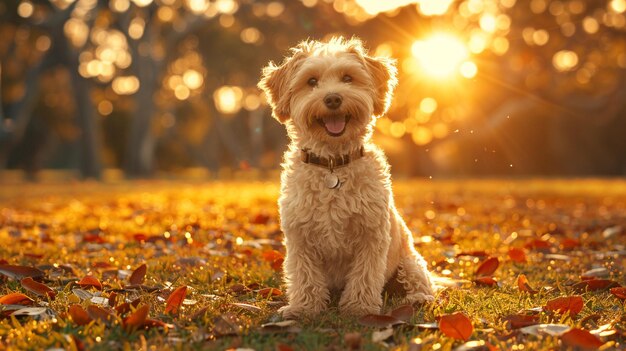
[(419, 298), (294, 312), (359, 308)]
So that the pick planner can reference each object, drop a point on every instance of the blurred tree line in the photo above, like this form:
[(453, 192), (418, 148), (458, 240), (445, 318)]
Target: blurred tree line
[(147, 85)]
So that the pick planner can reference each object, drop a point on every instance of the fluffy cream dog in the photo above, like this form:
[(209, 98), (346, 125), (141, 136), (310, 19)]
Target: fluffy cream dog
[(342, 230)]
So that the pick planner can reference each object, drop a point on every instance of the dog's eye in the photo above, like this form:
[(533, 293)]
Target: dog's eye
[(312, 82), (346, 79)]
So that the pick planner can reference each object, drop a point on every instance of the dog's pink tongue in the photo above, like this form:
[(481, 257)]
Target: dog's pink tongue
[(335, 125)]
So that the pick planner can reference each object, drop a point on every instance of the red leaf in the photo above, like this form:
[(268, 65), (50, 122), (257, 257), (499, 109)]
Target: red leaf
[(403, 313), (569, 244), (488, 267), (488, 281), (581, 340), (38, 288), (113, 299), (523, 285), (456, 326), (19, 272), (260, 218), (620, 293), (101, 314), (536, 244), (126, 307), (138, 275), (16, 299), (269, 292), (517, 321), (594, 285), (173, 302), (137, 318), (275, 258), (155, 323), (517, 255), (378, 320), (88, 281), (571, 304), (79, 315)]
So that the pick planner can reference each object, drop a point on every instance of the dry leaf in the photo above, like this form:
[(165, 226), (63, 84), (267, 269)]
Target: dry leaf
[(594, 285), (269, 292), (136, 319), (90, 281), (16, 299), (275, 259), (516, 321), (38, 288), (571, 304), (581, 340), (173, 302), (549, 329), (488, 267), (523, 285), (100, 314), (456, 325), (138, 275), (19, 272), (79, 315), (487, 281), (517, 255), (620, 293), (403, 313)]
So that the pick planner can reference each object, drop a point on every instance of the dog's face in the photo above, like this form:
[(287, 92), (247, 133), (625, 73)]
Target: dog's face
[(330, 92)]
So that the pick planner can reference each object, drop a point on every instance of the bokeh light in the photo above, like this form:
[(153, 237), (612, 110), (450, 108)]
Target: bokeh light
[(440, 55)]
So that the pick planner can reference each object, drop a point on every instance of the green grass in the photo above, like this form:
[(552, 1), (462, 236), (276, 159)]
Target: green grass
[(213, 236)]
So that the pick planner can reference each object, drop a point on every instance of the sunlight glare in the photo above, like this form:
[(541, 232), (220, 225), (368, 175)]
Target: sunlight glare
[(440, 55)]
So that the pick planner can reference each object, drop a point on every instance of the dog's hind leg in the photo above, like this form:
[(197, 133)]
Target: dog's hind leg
[(415, 278)]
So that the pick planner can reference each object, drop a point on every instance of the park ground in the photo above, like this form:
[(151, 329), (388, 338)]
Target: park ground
[(156, 265)]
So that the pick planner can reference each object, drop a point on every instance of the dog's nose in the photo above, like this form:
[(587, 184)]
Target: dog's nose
[(333, 101)]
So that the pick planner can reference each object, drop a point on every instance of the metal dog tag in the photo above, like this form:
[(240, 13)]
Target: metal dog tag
[(332, 181)]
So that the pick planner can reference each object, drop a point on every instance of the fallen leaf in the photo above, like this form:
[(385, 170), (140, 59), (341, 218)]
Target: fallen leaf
[(226, 325), (30, 311), (155, 323), (456, 325), (16, 299), (488, 267), (136, 319), (539, 245), (569, 244), (487, 281), (89, 281), (571, 304), (275, 259), (549, 329), (287, 326), (82, 294), (379, 320), (79, 315), (37, 288), (173, 302), (580, 339), (516, 321), (523, 285), (517, 255), (477, 253), (19, 272), (620, 293), (138, 275), (269, 292), (247, 307), (594, 285), (126, 306), (353, 340), (100, 314), (403, 313), (595, 273)]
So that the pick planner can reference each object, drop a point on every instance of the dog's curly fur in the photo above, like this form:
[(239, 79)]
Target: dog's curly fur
[(349, 239)]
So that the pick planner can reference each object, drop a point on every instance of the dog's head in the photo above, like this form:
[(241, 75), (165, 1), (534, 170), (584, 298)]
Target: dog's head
[(330, 91)]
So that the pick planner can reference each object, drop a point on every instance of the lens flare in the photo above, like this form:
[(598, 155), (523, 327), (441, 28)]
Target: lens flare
[(440, 55)]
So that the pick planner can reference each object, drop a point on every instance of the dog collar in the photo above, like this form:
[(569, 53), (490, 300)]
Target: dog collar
[(331, 162)]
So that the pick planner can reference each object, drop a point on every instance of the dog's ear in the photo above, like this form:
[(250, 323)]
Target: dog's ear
[(275, 83), (383, 71)]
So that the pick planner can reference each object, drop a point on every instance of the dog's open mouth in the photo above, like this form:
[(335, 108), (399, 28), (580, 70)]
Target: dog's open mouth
[(335, 125)]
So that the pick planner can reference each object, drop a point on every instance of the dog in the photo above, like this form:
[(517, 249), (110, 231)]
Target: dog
[(342, 231)]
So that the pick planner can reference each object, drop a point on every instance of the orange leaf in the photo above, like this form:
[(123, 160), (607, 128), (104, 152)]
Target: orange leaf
[(138, 275), (269, 292), (456, 326), (523, 285), (487, 281), (175, 300), (594, 285), (126, 307), (88, 281), (38, 288), (571, 304), (569, 244), (79, 315), (517, 255), (275, 258), (15, 299), (581, 340), (517, 321), (488, 267), (19, 272), (137, 318), (536, 244), (101, 314), (620, 293)]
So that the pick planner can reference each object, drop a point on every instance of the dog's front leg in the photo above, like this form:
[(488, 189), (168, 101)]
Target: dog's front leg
[(307, 288), (363, 291)]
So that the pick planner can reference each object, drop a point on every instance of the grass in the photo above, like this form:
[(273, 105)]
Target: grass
[(222, 241)]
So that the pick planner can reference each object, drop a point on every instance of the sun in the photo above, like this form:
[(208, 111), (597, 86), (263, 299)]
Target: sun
[(440, 55)]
